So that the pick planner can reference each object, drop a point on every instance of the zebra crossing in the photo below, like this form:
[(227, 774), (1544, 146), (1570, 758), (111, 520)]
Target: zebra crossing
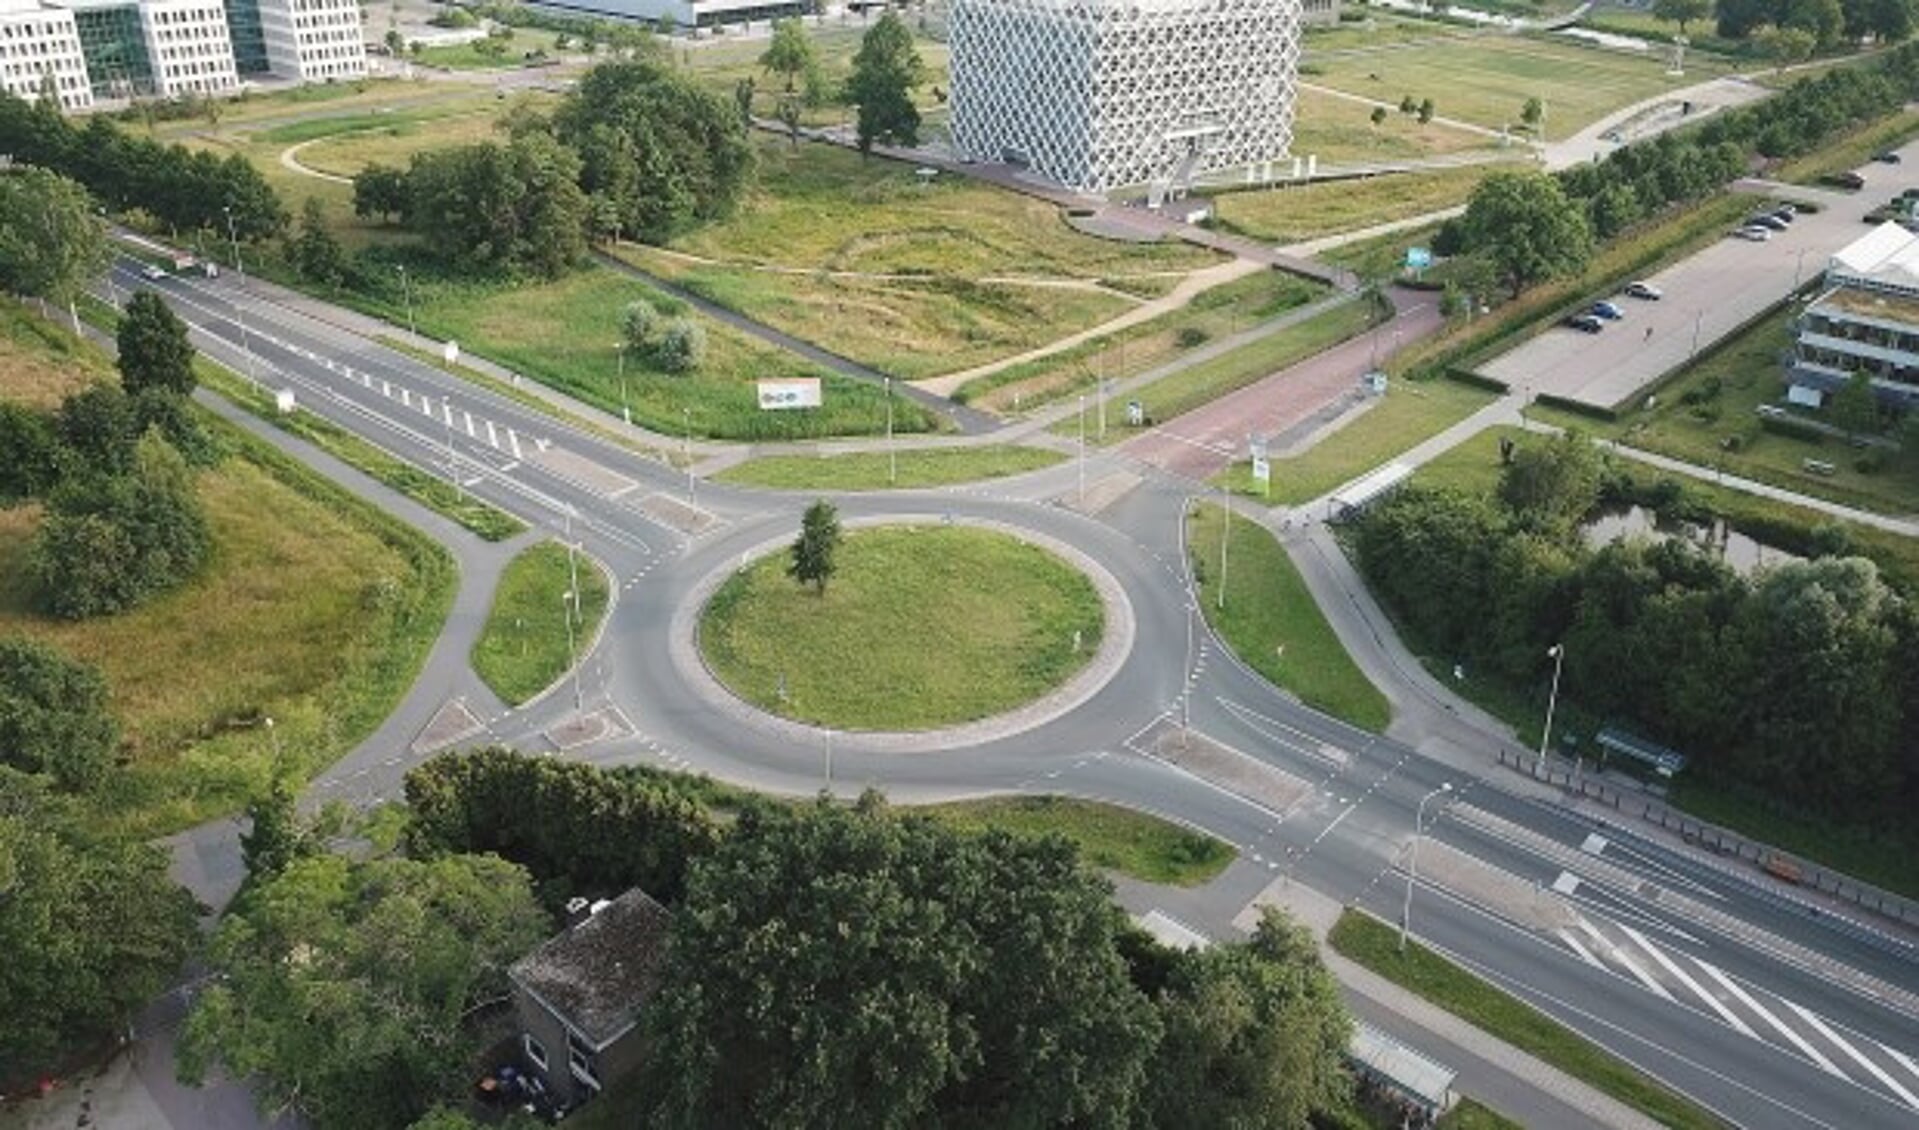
[(1675, 975)]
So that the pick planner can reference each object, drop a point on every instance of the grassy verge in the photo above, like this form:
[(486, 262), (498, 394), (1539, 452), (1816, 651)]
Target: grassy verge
[(1201, 384), (1885, 856), (1855, 149), (1109, 837), (871, 470), (1286, 215), (1375, 945), (1271, 621), (525, 645), (1469, 1115), (919, 627), (1410, 413)]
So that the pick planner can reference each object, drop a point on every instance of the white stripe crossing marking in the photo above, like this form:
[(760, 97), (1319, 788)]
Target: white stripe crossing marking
[(1905, 1060), (406, 397), (514, 441), (447, 405), (425, 408), (1746, 998), (1626, 960), (1567, 883), (366, 380), (492, 437), (386, 389), (1878, 1072), (1584, 953), (469, 422), (1685, 979)]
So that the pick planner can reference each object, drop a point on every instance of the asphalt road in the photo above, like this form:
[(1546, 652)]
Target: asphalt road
[(1810, 1045)]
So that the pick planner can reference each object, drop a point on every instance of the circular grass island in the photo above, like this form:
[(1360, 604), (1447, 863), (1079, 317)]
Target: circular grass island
[(921, 627)]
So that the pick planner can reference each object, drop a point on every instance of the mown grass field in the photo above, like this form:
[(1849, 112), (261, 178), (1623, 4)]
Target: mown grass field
[(874, 470), (1287, 215), (524, 646), (1340, 131), (1218, 311), (1109, 837), (909, 326), (1375, 945), (393, 144), (720, 64), (1271, 621), (920, 627), (1410, 412), (1486, 79)]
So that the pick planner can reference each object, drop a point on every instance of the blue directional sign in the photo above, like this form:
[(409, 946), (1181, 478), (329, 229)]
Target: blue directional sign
[(1418, 258)]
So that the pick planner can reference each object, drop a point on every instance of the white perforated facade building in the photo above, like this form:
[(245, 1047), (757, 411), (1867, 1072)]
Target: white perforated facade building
[(1100, 94)]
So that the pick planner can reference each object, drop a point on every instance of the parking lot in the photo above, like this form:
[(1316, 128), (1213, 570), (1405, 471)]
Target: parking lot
[(1707, 296)]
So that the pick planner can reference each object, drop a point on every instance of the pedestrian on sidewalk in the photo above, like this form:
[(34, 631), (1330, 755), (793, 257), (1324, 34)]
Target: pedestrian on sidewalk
[(1648, 333)]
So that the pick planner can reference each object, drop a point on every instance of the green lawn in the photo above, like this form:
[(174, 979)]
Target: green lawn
[(1271, 622), (1288, 215), (393, 144), (1469, 1115), (719, 65), (1218, 311), (525, 644), (1409, 413), (872, 470), (1885, 856), (1340, 131), (1487, 79), (469, 56), (1191, 387), (1109, 837), (1375, 945), (909, 326), (821, 207), (920, 627)]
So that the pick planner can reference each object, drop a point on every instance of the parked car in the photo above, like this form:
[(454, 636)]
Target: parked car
[(1608, 311), (1887, 158), (1784, 217), (1768, 221), (1845, 180), (1644, 290), (1753, 232), (152, 272), (1585, 323)]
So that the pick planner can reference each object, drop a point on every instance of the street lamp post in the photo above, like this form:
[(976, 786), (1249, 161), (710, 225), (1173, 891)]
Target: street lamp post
[(239, 310), (686, 451), (406, 291), (626, 411), (569, 601), (892, 453), (1225, 525), (1082, 449), (1558, 653), (1412, 874)]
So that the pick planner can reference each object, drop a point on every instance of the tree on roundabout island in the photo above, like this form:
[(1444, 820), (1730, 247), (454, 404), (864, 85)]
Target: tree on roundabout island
[(813, 550)]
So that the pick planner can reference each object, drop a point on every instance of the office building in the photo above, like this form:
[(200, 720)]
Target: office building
[(38, 40), (1865, 320)]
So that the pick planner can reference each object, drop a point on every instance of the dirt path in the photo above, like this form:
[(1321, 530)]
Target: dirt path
[(290, 159)]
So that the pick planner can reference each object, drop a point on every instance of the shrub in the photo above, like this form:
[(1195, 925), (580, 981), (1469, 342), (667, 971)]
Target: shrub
[(1189, 337), (682, 346), (1794, 428)]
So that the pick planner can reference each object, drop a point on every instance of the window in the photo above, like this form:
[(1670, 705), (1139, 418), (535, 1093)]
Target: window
[(579, 1060), (535, 1050)]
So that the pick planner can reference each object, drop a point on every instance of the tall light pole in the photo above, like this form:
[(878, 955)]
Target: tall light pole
[(1082, 449), (1412, 875), (239, 309), (829, 760), (626, 411), (1558, 653), (406, 291), (569, 601), (686, 451), (1225, 525), (892, 453)]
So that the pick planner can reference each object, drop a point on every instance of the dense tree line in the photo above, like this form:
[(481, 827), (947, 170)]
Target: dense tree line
[(183, 189), (1828, 22), (575, 828), (1802, 680)]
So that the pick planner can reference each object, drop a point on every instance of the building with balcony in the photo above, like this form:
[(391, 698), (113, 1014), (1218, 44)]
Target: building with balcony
[(38, 42), (1104, 94), (1866, 320)]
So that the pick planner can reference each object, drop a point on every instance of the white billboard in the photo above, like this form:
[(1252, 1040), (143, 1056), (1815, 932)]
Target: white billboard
[(803, 392)]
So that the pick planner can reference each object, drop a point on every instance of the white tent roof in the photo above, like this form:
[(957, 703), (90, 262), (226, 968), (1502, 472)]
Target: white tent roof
[(1888, 255)]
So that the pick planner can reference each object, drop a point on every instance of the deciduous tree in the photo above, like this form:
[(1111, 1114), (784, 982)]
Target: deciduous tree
[(51, 241), (54, 715), (1681, 12), (814, 549), (1524, 223), (886, 71), (109, 542), (315, 253), (154, 351), (790, 52)]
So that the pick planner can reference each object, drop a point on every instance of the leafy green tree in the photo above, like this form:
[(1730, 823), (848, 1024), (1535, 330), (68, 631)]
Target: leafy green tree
[(789, 115), (51, 240), (814, 549), (380, 192), (54, 715), (886, 71), (1855, 407), (1378, 116), (682, 346), (640, 326), (275, 838), (1681, 12), (790, 53), (174, 417), (1428, 554), (32, 444), (1532, 113), (1824, 20), (664, 149), (110, 542), (1784, 45), (91, 927), (342, 986), (743, 99), (315, 253), (491, 206), (1255, 1034), (1524, 223), (154, 351), (1426, 111), (1551, 486), (836, 967), (99, 427)]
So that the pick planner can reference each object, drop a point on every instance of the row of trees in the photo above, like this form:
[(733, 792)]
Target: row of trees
[(1825, 22), (825, 966), (184, 189), (1801, 680)]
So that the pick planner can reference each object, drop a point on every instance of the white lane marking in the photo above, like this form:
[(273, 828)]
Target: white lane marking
[(1594, 845), (1585, 954), (1905, 1060), (406, 397), (1764, 1013), (513, 440), (1878, 1072), (469, 422), (447, 406), (386, 389), (426, 409), (1567, 883), (1686, 979), (1625, 959), (492, 437)]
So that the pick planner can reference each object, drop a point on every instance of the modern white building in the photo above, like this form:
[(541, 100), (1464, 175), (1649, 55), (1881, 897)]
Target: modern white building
[(313, 40), (1866, 320), (36, 40), (188, 47), (685, 15), (1101, 94)]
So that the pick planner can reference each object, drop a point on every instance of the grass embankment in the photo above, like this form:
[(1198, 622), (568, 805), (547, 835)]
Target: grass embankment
[(1469, 1115), (872, 470), (1886, 856), (385, 141), (525, 645), (316, 610), (1109, 837), (920, 627), (1271, 621), (1218, 311), (1853, 150), (1189, 388), (1410, 413), (1375, 945), (1340, 131), (1308, 211)]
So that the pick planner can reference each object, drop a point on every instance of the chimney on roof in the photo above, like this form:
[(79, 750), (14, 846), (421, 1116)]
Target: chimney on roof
[(578, 910)]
